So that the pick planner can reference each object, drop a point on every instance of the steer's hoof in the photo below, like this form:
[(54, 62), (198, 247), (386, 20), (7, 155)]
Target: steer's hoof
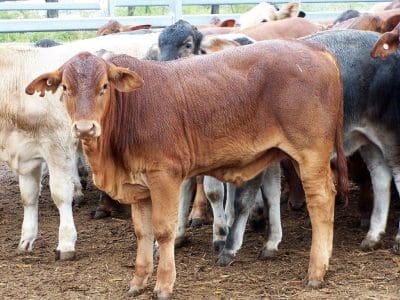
[(225, 259), (218, 246), (65, 255), (197, 222), (162, 295), (21, 251), (133, 291), (315, 284), (100, 214), (25, 246), (368, 245), (267, 253), (396, 246)]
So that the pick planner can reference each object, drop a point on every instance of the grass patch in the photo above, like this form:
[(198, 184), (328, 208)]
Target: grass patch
[(60, 36)]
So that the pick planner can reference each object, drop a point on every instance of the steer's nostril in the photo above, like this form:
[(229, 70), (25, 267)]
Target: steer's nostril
[(85, 128)]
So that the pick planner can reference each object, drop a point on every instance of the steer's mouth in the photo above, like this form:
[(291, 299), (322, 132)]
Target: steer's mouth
[(86, 129)]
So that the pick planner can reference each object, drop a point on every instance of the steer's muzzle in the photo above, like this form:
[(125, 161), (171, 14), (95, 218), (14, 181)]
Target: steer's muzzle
[(86, 129)]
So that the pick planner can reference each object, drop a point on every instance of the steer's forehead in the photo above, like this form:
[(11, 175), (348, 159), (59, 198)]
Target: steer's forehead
[(85, 67)]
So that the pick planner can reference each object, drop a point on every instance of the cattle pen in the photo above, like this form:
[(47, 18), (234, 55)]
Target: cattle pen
[(95, 13), (106, 248)]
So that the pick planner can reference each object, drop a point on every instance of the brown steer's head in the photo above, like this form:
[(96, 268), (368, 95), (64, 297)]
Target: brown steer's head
[(87, 82), (387, 44)]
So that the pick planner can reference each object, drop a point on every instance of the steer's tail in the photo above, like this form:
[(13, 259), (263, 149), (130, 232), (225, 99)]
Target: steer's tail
[(341, 164)]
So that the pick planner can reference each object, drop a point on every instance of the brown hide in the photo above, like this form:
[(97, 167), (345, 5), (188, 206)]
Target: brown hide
[(284, 29), (262, 102), (372, 22), (287, 28)]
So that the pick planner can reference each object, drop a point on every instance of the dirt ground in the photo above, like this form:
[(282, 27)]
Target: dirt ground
[(106, 252)]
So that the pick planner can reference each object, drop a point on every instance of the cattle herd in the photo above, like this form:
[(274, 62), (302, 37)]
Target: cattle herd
[(222, 113)]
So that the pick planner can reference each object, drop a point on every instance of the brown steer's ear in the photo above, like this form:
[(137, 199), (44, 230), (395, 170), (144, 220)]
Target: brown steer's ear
[(124, 79), (390, 23), (386, 45), (228, 23), (45, 82)]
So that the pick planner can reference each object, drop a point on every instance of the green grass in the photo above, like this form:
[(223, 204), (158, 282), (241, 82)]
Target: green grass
[(65, 36), (60, 36)]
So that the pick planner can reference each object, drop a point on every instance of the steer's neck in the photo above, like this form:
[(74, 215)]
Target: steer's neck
[(98, 163)]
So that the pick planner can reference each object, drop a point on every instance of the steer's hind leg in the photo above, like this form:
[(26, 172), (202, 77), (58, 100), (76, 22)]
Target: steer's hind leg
[(380, 177), (395, 163), (396, 246), (199, 214), (30, 186), (214, 190), (186, 196), (320, 193), (244, 200), (271, 189), (230, 204), (142, 222)]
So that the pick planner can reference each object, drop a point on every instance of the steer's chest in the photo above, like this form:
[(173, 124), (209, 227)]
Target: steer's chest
[(125, 188)]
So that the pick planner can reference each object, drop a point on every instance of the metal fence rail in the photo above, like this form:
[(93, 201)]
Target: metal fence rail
[(48, 6), (175, 13)]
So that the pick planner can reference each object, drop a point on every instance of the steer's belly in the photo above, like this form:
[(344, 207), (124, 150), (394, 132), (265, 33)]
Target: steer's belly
[(20, 151)]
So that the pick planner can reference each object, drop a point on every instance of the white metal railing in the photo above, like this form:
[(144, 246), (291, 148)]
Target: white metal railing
[(93, 23)]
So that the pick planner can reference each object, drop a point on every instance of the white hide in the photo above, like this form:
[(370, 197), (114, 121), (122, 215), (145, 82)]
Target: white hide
[(35, 131)]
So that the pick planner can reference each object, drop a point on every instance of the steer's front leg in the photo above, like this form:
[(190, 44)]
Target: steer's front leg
[(29, 185), (142, 221), (60, 156), (164, 191)]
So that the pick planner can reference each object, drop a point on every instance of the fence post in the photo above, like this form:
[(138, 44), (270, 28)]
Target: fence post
[(176, 8), (108, 6), (214, 9), (52, 13)]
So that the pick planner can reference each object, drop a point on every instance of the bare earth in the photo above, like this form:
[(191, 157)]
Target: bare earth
[(106, 252)]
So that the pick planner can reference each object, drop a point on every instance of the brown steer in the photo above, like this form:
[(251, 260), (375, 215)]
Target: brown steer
[(281, 29), (146, 126), (372, 22), (387, 44)]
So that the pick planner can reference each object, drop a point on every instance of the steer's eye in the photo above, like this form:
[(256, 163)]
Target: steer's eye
[(188, 45), (103, 89), (64, 87)]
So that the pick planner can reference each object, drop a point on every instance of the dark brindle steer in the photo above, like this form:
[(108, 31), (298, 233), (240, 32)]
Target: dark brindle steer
[(145, 131)]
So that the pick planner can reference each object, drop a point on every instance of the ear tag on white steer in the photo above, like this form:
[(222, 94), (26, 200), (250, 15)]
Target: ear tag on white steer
[(385, 46)]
